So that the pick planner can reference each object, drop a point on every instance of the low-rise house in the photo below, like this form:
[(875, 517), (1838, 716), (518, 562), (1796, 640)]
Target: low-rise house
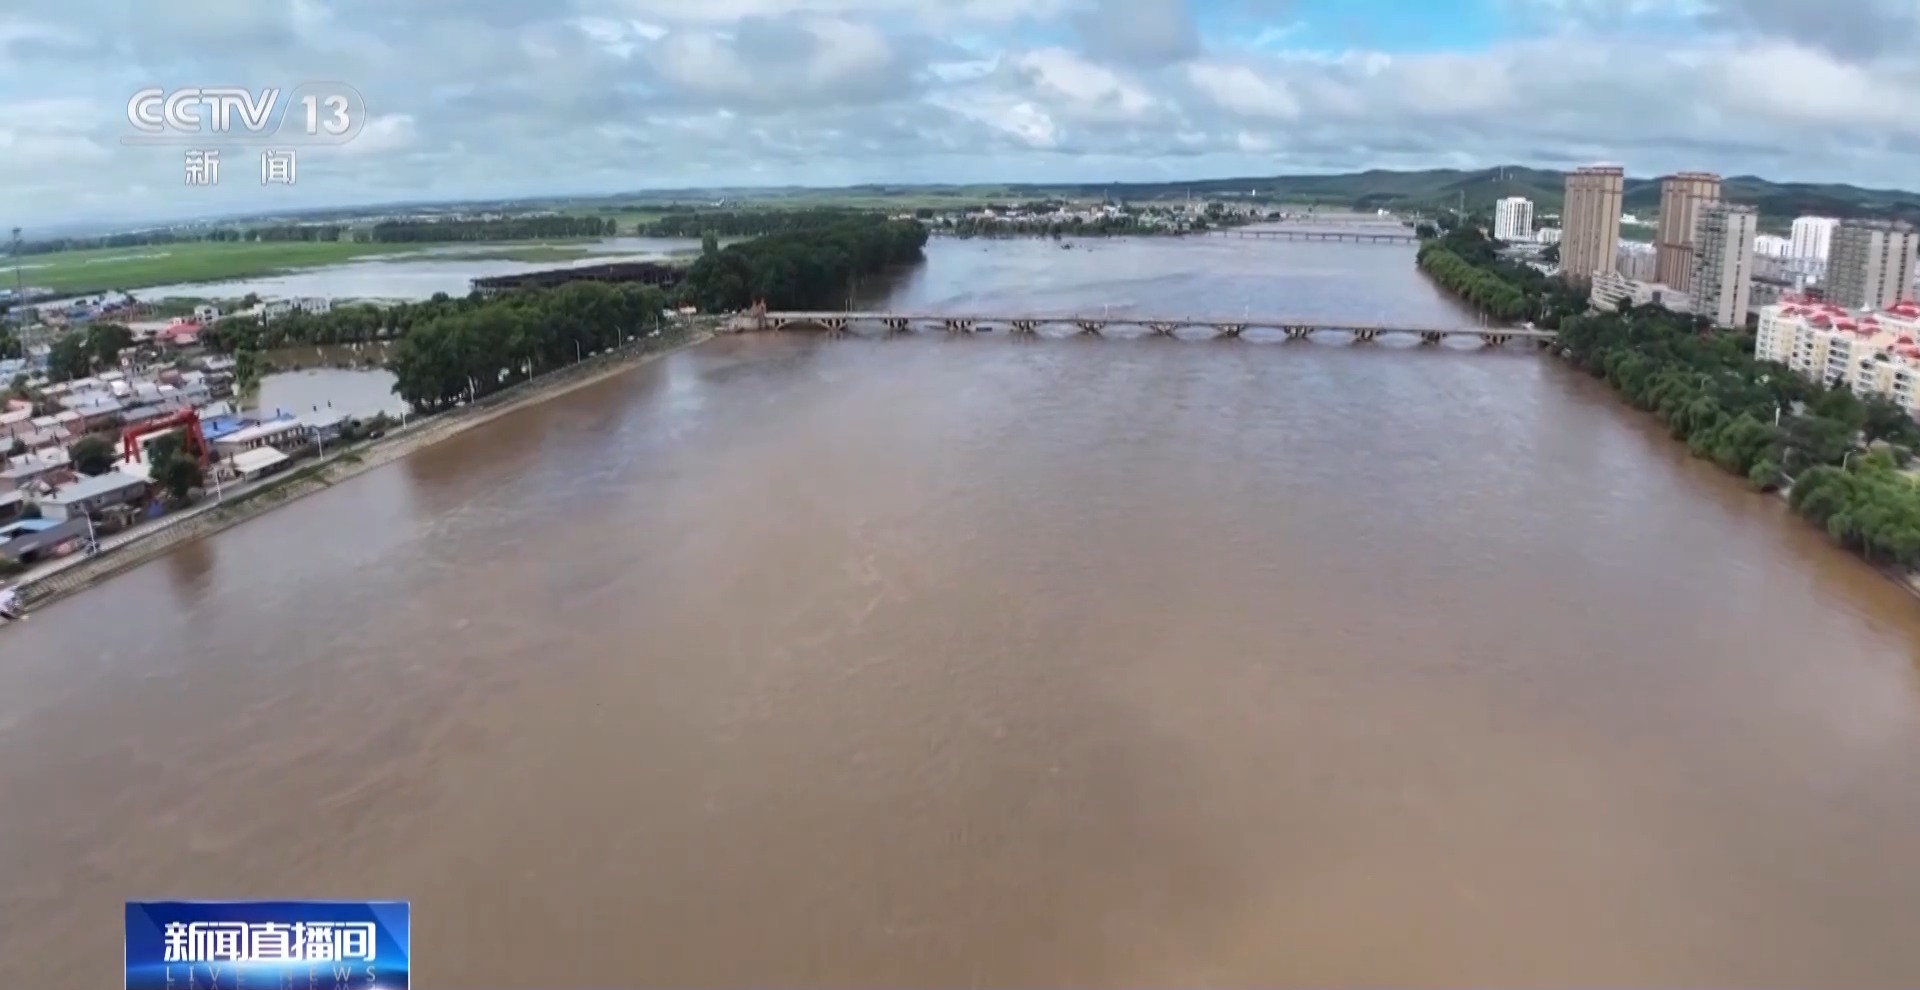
[(323, 425), (206, 313), (84, 495), (268, 434), (218, 426), (251, 465), (11, 505), (29, 541), (23, 473)]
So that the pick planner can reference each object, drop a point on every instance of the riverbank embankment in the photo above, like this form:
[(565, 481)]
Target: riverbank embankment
[(209, 519)]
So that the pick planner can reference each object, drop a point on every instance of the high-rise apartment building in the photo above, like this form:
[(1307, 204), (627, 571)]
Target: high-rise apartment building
[(1590, 221), (1723, 262), (1513, 219), (1682, 197), (1871, 263), (1812, 237)]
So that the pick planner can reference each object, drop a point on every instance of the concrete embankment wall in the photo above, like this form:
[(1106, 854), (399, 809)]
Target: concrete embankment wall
[(324, 474)]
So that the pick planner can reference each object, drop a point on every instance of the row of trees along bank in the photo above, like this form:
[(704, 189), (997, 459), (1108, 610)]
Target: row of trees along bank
[(470, 348), (746, 223), (503, 229), (1466, 263), (814, 268), (1841, 452)]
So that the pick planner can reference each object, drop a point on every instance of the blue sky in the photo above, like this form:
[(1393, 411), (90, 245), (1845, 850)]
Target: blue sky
[(470, 98)]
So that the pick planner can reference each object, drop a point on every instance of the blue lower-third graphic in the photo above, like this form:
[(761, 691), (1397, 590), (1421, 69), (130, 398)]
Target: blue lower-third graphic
[(267, 945)]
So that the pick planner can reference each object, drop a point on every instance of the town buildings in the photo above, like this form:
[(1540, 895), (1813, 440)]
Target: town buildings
[(1682, 199), (1871, 352), (1590, 221), (1513, 219), (1871, 263), (1722, 256), (1613, 291)]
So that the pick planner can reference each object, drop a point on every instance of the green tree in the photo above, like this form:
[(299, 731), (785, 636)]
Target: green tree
[(105, 341), (173, 467), (70, 358), (709, 244), (92, 455)]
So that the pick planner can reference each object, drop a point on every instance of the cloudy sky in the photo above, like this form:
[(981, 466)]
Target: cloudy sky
[(474, 98)]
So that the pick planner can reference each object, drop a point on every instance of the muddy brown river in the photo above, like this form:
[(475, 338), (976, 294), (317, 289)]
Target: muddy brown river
[(791, 661)]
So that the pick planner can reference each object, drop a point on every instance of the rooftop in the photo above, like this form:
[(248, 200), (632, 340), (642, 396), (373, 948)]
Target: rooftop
[(262, 431), (86, 488), (259, 458)]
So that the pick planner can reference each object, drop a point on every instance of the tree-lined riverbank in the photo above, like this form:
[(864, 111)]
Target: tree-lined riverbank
[(1756, 419)]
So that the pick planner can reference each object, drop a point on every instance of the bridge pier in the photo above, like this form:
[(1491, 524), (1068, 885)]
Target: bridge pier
[(835, 325), (1163, 329), (895, 324), (1430, 337), (1495, 339), (1298, 333), (1025, 327), (1365, 336), (1229, 329), (1090, 327), (779, 325), (959, 326)]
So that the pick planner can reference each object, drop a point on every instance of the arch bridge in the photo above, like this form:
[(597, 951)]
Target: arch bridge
[(1349, 236), (1294, 328)]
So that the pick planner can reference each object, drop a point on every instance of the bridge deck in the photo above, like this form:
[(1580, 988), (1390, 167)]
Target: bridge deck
[(822, 318)]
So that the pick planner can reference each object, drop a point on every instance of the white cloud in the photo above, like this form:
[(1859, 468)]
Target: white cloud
[(504, 97)]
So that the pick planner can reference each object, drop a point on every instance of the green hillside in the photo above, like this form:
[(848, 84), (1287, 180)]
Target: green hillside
[(1778, 202)]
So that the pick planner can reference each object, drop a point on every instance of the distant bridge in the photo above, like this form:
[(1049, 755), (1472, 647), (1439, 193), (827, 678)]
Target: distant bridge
[(1351, 236), (1295, 328)]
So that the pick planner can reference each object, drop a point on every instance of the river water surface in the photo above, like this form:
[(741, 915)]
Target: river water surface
[(939, 661)]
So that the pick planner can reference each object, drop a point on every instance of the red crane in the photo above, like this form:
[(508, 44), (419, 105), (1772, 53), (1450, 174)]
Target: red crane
[(192, 438)]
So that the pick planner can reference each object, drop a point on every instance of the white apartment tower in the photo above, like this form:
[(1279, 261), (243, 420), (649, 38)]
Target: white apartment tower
[(1870, 265), (1723, 262), (1812, 237), (1513, 219)]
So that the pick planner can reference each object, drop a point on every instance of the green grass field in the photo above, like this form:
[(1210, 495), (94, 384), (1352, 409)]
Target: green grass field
[(133, 268), (139, 267)]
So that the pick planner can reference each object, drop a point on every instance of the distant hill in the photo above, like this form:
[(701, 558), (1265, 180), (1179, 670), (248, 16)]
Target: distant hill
[(1778, 202)]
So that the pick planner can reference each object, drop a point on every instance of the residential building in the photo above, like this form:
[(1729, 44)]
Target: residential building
[(1547, 235), (1812, 237), (12, 503), (1635, 261), (1590, 221), (1682, 198), (1513, 219), (1723, 262), (84, 495), (324, 425), (1872, 353), (206, 313), (1613, 291), (28, 541), (252, 465), (268, 434), (1871, 263), (1773, 246)]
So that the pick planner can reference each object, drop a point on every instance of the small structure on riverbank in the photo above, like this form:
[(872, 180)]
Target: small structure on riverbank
[(625, 272)]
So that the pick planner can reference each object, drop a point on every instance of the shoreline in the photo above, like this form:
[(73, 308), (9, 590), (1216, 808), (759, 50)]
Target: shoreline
[(36, 593)]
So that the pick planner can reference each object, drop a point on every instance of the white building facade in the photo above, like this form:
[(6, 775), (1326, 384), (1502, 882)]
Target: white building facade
[(1812, 238), (1871, 353), (1513, 219)]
